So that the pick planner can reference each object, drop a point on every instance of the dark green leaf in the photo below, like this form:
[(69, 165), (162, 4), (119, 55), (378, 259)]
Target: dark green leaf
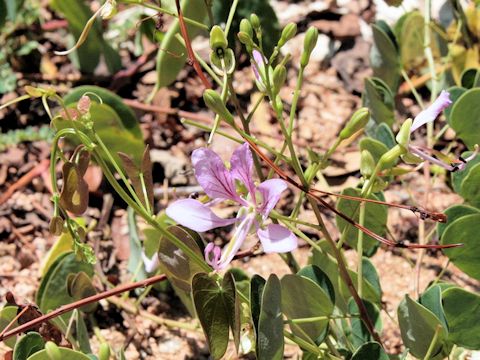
[(455, 92), (315, 274), (313, 302), (384, 134), (7, 314), (462, 310), (375, 220), (28, 345), (232, 304), (469, 188), (212, 312), (384, 57), (359, 332), (257, 285), (270, 341), (371, 276), (469, 78), (459, 176), (432, 300), (379, 99), (374, 147), (410, 34), (418, 326), (464, 118), (464, 230), (370, 351)]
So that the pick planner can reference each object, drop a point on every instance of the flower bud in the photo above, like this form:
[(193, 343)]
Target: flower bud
[(218, 39), (245, 39), (309, 44), (358, 121), (403, 136), (246, 27), (391, 156), (104, 352), (367, 164), (33, 91), (279, 77), (214, 102), (288, 32), (255, 21)]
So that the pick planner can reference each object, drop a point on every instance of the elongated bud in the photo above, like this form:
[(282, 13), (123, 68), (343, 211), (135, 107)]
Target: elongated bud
[(309, 44), (391, 156), (367, 164), (255, 21), (104, 352), (246, 27), (403, 136), (218, 39), (358, 121), (33, 91), (246, 40), (214, 102), (53, 352), (279, 77), (288, 32)]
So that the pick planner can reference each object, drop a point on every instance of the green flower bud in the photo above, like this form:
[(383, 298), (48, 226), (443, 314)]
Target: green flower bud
[(279, 77), (245, 39), (53, 351), (367, 164), (403, 136), (358, 121), (218, 41), (214, 102), (33, 91), (255, 21), (288, 32), (246, 27), (308, 45), (104, 352), (390, 158)]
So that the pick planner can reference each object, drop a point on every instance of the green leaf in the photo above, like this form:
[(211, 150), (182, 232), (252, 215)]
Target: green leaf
[(62, 245), (264, 11), (232, 304), (212, 312), (432, 300), (370, 351), (464, 230), (270, 341), (359, 332), (469, 78), (371, 276), (65, 353), (455, 92), (459, 176), (374, 147), (469, 188), (315, 274), (384, 56), (52, 292), (418, 326), (3, 13), (257, 285), (375, 220), (28, 345), (172, 54), (410, 32), (462, 310), (453, 213), (379, 99), (7, 314), (313, 302), (384, 134), (464, 118), (124, 112)]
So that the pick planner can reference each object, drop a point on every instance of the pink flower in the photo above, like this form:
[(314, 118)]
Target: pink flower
[(256, 203), (258, 64), (428, 115)]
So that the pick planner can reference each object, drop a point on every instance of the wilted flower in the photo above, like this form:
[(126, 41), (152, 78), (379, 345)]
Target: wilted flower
[(237, 185), (428, 115)]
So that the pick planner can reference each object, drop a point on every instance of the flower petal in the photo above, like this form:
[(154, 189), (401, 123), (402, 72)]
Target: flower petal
[(260, 61), (239, 236), (270, 191), (212, 254), (277, 238), (150, 264), (430, 114), (212, 175), (242, 165), (195, 215)]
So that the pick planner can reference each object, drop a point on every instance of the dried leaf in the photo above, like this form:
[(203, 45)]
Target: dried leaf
[(56, 226), (147, 175), (74, 194)]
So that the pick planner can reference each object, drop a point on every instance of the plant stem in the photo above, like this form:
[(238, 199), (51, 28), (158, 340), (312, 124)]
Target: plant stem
[(433, 343)]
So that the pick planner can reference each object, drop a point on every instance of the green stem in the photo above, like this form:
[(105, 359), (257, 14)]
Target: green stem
[(231, 14), (433, 343), (302, 343)]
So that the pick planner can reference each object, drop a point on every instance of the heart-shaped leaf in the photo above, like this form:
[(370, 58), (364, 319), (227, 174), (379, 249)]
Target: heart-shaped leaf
[(270, 341), (315, 274), (464, 230), (464, 117), (374, 147), (370, 351), (419, 326), (453, 213), (359, 332), (462, 310), (314, 302), (74, 194), (28, 345)]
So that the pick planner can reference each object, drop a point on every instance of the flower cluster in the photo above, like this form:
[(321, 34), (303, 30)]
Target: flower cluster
[(235, 184)]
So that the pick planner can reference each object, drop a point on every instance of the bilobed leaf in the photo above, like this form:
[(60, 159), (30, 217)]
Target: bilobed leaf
[(375, 220), (257, 285), (432, 300), (462, 310), (28, 345), (313, 302), (270, 340), (65, 354), (212, 312), (7, 314), (454, 213), (79, 286), (384, 57), (469, 188), (464, 117), (469, 78), (374, 147), (82, 160), (370, 351), (378, 97), (371, 276), (359, 332), (315, 274), (147, 175), (384, 134), (418, 326), (74, 194), (455, 93), (464, 230), (459, 176)]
